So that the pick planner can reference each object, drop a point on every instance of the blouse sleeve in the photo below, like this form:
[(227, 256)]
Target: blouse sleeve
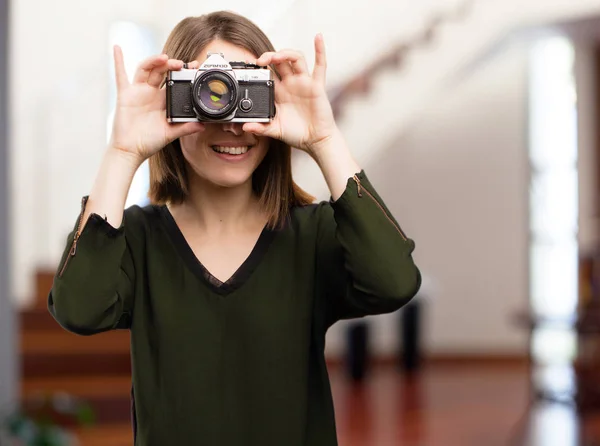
[(364, 264), (94, 284)]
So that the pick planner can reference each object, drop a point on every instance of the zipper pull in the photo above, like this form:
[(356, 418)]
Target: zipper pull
[(358, 185), (78, 233), (74, 245), (73, 249)]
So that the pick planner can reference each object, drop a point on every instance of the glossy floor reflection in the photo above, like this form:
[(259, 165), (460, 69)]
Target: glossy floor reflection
[(450, 405)]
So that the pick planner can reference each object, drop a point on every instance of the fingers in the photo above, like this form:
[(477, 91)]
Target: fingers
[(320, 69), (143, 71), (152, 70), (283, 70), (178, 130), (267, 59), (157, 75), (256, 128), (120, 73), (287, 62), (294, 58), (261, 129)]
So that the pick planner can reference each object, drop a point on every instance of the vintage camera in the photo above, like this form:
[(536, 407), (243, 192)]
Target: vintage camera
[(221, 91)]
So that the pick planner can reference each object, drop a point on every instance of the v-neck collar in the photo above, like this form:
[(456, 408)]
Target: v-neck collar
[(239, 277)]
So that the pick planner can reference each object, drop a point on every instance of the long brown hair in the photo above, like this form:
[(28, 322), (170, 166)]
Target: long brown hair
[(272, 180)]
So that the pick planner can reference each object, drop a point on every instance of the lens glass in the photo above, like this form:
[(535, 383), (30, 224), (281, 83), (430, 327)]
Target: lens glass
[(214, 94)]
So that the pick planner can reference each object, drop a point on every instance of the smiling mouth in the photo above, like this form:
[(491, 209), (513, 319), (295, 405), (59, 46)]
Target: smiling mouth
[(231, 150)]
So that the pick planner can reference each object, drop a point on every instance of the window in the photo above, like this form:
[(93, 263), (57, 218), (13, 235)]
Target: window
[(138, 42), (553, 196)]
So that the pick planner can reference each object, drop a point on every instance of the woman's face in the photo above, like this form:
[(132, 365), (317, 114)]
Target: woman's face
[(224, 154)]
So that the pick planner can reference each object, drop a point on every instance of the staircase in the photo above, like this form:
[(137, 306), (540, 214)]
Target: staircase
[(96, 369), (390, 88)]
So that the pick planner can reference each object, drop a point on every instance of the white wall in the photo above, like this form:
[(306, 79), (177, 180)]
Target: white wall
[(457, 181)]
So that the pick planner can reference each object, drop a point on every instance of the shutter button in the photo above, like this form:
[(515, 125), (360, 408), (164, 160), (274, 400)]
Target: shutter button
[(246, 103)]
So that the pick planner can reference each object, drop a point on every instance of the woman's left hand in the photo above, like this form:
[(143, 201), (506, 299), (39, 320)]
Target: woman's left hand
[(303, 118)]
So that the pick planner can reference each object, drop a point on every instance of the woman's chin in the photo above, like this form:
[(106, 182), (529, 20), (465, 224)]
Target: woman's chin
[(229, 178)]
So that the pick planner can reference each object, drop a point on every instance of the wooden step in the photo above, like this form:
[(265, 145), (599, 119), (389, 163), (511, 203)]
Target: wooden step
[(84, 387), (38, 318), (113, 435), (47, 365), (103, 435), (43, 285), (95, 369), (109, 397), (61, 342)]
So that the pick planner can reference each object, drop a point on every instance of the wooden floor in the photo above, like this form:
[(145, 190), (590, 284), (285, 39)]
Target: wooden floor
[(443, 405)]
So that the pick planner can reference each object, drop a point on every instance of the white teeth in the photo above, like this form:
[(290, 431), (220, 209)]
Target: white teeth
[(231, 150)]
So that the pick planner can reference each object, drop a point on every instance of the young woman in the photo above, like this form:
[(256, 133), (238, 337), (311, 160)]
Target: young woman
[(229, 281)]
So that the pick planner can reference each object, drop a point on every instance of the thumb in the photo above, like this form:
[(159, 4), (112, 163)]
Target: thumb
[(178, 130), (261, 129)]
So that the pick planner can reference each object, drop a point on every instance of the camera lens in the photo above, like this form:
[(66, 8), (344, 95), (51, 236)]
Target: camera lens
[(215, 94)]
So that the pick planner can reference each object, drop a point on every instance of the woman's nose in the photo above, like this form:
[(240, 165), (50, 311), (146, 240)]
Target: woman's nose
[(235, 128)]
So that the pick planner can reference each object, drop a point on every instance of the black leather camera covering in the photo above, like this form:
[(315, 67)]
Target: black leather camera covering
[(179, 100)]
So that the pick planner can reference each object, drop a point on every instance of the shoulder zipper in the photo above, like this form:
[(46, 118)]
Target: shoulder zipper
[(73, 249), (360, 188)]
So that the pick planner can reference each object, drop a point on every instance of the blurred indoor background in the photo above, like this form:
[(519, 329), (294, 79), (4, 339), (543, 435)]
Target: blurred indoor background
[(476, 120)]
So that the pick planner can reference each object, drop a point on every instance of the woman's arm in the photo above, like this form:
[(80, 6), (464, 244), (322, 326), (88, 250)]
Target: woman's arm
[(336, 163), (95, 283), (364, 258), (93, 287)]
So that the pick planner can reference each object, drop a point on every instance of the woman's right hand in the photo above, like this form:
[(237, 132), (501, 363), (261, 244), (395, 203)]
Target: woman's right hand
[(140, 127)]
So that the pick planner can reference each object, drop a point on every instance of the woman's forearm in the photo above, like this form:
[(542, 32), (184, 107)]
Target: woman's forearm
[(111, 187), (336, 163)]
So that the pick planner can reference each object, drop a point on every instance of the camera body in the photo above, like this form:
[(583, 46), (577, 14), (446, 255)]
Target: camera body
[(221, 91)]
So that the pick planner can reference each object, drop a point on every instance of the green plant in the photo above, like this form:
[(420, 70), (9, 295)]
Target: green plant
[(46, 421)]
